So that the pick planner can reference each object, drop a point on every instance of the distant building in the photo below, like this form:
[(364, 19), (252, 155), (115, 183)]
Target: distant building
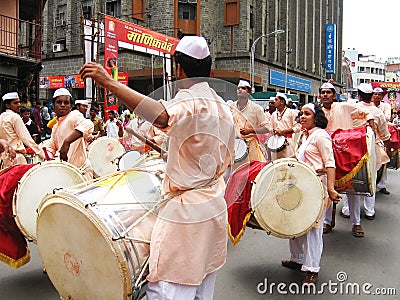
[(364, 68), (392, 71)]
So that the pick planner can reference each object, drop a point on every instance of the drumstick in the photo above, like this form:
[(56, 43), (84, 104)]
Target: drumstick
[(145, 140), (333, 222)]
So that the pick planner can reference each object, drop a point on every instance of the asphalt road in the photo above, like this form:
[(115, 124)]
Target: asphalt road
[(253, 269)]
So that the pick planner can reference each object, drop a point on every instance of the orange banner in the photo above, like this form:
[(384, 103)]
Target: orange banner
[(136, 35)]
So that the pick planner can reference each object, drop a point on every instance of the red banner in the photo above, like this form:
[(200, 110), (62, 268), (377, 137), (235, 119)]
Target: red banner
[(136, 35), (110, 61), (386, 85)]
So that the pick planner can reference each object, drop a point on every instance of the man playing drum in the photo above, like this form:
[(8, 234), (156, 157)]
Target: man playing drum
[(67, 135), (316, 151), (341, 115), (189, 240), (377, 97), (14, 131), (249, 120), (382, 135), (283, 123)]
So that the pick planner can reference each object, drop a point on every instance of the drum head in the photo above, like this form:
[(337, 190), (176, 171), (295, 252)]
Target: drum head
[(103, 154), (34, 185), (287, 198), (276, 143), (102, 253), (128, 160), (241, 150)]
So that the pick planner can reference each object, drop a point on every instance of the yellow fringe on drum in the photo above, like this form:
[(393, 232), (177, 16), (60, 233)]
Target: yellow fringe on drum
[(235, 239), (349, 176), (16, 263)]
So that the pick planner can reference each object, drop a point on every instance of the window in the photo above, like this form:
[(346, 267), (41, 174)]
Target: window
[(186, 10), (231, 12), (113, 8), (361, 69), (251, 17), (138, 9), (87, 9), (61, 15)]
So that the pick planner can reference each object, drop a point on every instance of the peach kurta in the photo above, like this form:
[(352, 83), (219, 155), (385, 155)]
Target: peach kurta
[(341, 115), (282, 121), (386, 109), (251, 116), (14, 131), (77, 150), (381, 129), (189, 239)]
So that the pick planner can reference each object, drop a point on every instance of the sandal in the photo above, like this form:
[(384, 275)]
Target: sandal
[(291, 265), (327, 228), (358, 231)]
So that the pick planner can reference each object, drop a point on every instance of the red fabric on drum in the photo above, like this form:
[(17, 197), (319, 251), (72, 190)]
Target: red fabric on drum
[(349, 147), (394, 137), (237, 197), (13, 246)]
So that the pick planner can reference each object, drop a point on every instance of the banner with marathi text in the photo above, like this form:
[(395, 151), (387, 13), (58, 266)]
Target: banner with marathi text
[(136, 35), (56, 82)]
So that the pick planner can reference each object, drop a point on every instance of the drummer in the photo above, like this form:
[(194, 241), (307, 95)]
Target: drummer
[(14, 131), (341, 115), (365, 93), (249, 120), (189, 240), (283, 123), (67, 135), (377, 98), (316, 151)]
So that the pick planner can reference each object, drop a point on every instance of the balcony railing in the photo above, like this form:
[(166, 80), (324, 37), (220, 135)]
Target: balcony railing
[(20, 38)]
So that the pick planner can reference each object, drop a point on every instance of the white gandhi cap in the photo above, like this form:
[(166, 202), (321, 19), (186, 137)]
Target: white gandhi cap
[(365, 88), (244, 83), (62, 92), (84, 102), (378, 90), (10, 96), (193, 46)]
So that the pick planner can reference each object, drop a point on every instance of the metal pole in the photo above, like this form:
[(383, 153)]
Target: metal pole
[(253, 50)]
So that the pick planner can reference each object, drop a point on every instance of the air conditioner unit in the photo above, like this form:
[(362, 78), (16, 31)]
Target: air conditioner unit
[(58, 47)]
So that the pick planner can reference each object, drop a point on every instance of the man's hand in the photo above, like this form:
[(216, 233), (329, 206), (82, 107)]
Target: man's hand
[(64, 151), (96, 72), (334, 196), (7, 149)]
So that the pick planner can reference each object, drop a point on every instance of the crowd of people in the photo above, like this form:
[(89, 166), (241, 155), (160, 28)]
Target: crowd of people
[(189, 240)]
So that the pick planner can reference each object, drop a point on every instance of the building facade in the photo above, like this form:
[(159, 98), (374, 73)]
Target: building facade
[(21, 47), (298, 55)]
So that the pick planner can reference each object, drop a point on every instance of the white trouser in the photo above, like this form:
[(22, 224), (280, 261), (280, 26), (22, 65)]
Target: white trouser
[(307, 249), (369, 205), (382, 184), (328, 215), (354, 202), (163, 290)]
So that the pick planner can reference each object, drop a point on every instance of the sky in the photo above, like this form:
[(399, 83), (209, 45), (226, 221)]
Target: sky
[(372, 27)]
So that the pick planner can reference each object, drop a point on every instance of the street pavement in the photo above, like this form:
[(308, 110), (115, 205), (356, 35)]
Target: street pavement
[(253, 269)]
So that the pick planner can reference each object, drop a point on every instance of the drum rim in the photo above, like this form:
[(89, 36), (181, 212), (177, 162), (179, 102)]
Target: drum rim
[(261, 220), (72, 201), (126, 154), (278, 137), (21, 183), (245, 154)]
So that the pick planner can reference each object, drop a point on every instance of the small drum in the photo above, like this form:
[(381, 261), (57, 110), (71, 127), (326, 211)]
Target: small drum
[(241, 150), (128, 160), (287, 198), (276, 143), (40, 180), (103, 155), (95, 242), (364, 181)]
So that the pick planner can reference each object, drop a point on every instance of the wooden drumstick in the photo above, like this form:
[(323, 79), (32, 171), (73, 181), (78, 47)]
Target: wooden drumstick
[(333, 222), (145, 140)]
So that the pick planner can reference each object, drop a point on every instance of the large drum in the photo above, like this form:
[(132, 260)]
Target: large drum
[(94, 242), (362, 178), (103, 154), (40, 180), (287, 197), (129, 160)]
